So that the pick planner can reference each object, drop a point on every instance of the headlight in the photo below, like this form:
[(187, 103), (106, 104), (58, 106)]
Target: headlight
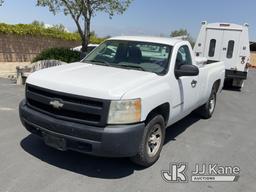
[(125, 112)]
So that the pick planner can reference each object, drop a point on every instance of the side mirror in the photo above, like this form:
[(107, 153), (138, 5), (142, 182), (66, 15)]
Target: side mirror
[(186, 70)]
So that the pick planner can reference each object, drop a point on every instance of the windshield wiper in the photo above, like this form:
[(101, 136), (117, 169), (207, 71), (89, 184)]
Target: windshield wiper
[(132, 67), (105, 63)]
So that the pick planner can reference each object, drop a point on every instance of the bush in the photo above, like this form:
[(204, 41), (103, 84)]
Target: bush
[(61, 54), (38, 30), (96, 40)]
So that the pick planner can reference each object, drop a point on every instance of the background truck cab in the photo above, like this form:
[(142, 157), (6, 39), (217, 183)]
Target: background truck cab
[(229, 43)]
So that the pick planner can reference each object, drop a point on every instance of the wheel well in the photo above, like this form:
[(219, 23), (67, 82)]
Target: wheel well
[(216, 85), (163, 110)]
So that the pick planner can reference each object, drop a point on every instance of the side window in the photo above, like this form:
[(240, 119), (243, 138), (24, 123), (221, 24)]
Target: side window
[(231, 45), (212, 48), (183, 57)]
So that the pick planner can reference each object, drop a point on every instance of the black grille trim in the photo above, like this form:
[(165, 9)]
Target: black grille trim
[(90, 111)]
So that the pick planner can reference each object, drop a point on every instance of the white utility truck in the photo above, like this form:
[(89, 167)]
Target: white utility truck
[(120, 99), (228, 43)]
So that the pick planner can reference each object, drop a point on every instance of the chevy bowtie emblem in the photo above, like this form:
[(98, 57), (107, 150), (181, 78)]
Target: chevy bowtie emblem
[(56, 104)]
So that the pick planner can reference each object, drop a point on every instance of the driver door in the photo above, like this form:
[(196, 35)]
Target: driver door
[(187, 86)]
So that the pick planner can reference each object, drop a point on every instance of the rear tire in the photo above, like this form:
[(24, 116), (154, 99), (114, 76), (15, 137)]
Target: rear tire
[(234, 84), (206, 111), (152, 142), (238, 84), (228, 83)]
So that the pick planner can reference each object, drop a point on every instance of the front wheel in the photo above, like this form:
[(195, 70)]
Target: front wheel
[(207, 110), (152, 142)]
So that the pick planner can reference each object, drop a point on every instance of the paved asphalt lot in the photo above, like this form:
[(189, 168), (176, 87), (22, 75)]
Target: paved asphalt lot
[(27, 165)]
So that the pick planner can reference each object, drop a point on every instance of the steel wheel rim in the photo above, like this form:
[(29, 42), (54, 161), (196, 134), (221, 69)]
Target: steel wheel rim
[(154, 140)]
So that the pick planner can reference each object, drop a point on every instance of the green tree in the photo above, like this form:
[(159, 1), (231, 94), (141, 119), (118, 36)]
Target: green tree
[(60, 27), (82, 12), (38, 23), (183, 33), (1, 2)]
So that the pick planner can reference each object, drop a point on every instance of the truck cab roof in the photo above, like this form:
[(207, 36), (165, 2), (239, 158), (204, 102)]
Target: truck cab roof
[(226, 26), (159, 40)]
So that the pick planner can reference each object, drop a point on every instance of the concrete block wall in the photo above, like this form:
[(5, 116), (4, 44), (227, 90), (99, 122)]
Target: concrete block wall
[(16, 48)]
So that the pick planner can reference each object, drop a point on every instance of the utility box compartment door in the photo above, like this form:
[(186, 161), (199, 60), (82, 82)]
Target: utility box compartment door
[(213, 44), (230, 48)]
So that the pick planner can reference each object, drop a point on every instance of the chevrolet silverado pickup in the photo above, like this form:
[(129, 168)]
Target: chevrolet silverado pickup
[(119, 100)]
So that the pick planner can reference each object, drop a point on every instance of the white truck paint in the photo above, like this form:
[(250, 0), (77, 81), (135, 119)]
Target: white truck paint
[(229, 43), (185, 86)]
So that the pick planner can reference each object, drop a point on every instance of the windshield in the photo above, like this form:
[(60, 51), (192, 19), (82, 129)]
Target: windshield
[(143, 56)]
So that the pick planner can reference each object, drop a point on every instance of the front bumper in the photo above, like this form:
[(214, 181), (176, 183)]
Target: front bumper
[(110, 141)]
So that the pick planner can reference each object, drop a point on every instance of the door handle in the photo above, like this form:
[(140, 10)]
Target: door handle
[(193, 83)]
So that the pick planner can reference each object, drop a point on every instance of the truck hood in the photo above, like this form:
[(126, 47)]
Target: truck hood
[(90, 80)]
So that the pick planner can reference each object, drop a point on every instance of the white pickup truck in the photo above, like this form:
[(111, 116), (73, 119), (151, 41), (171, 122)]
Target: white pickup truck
[(120, 99)]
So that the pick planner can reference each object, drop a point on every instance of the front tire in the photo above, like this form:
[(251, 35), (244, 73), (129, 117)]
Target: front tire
[(152, 142)]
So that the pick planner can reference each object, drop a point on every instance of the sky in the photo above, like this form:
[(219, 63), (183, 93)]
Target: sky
[(143, 17)]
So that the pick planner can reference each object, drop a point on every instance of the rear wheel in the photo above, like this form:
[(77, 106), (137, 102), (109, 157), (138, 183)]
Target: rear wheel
[(228, 83), (234, 84), (238, 83), (207, 110), (152, 142)]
